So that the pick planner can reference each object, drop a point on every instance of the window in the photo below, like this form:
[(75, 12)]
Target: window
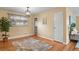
[(17, 20)]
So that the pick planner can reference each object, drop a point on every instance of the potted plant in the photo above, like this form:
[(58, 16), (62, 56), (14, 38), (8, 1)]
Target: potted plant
[(4, 27), (72, 26)]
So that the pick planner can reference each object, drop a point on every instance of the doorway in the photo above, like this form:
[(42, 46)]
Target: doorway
[(35, 26)]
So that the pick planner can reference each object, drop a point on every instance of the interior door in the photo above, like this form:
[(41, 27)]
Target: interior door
[(58, 26)]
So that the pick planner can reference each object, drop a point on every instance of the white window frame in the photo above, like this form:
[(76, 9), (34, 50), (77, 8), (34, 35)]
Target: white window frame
[(18, 20)]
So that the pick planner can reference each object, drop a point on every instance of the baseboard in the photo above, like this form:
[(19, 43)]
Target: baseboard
[(51, 39), (46, 37), (20, 36)]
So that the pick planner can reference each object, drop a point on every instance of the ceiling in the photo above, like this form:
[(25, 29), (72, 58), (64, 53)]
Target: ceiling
[(22, 9), (34, 10), (75, 10)]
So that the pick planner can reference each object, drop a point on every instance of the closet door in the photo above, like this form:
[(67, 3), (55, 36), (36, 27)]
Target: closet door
[(58, 27)]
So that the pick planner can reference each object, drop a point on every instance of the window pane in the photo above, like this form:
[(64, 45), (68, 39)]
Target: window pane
[(18, 20)]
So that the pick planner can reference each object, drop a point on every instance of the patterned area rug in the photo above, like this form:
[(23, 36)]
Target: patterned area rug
[(31, 45)]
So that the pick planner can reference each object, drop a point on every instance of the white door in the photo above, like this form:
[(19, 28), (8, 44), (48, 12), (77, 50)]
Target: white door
[(58, 27)]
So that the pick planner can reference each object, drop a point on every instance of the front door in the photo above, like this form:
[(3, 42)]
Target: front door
[(58, 27)]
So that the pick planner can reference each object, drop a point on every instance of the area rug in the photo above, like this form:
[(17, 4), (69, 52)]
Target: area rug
[(31, 44)]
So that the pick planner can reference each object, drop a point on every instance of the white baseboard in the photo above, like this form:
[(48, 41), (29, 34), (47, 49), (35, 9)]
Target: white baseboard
[(14, 37), (52, 39)]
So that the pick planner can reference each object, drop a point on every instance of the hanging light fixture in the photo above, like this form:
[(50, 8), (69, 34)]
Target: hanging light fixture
[(27, 12)]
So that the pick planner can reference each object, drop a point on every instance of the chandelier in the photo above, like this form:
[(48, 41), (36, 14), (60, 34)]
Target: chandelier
[(27, 12)]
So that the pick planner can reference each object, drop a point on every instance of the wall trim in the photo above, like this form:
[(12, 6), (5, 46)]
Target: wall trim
[(20, 37), (52, 39)]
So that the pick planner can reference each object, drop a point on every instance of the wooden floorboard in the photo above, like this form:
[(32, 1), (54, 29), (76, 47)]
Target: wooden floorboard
[(71, 46), (6, 46)]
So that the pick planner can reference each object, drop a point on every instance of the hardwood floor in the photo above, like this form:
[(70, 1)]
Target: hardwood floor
[(6, 46), (57, 46), (70, 46)]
